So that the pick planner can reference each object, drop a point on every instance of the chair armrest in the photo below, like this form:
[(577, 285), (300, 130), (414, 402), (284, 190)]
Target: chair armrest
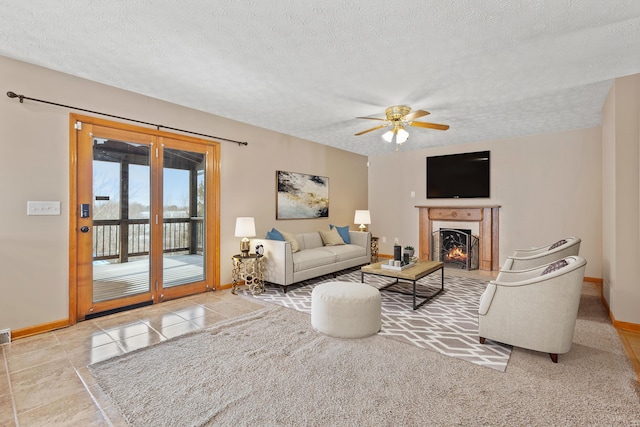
[(534, 275), (524, 253), (507, 276), (486, 298)]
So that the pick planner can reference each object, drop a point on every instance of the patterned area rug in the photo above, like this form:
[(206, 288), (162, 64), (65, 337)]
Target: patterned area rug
[(447, 323)]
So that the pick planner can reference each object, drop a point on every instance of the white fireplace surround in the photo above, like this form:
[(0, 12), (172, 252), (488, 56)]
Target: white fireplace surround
[(464, 225)]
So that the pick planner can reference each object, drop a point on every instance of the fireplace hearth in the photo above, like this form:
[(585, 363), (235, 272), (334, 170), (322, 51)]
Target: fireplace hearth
[(456, 248)]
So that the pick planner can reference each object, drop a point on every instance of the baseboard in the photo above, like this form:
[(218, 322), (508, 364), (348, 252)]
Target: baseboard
[(595, 280), (627, 326), (38, 329)]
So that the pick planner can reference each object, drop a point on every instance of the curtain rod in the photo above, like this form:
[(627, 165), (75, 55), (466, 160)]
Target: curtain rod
[(11, 94)]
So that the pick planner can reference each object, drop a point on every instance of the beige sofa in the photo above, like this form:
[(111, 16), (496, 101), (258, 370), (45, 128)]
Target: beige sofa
[(285, 267)]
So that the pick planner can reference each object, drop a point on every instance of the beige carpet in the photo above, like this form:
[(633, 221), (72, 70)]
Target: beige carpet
[(447, 323), (271, 368)]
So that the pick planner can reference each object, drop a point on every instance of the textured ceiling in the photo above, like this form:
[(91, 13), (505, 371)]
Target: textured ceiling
[(490, 69)]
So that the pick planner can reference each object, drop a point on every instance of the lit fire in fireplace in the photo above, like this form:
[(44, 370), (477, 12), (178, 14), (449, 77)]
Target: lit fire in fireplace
[(456, 254)]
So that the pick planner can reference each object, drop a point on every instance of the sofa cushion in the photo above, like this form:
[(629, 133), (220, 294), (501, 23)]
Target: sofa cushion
[(311, 258), (310, 240), (331, 237), (346, 252), (289, 237), (343, 231), (274, 235)]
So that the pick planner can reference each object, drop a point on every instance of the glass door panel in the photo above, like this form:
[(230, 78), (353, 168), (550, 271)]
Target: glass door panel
[(183, 212), (145, 217), (121, 219)]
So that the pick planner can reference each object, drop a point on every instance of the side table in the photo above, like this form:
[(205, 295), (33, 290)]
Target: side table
[(374, 249), (248, 269)]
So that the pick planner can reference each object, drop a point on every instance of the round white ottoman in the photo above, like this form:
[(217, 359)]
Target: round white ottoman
[(346, 309)]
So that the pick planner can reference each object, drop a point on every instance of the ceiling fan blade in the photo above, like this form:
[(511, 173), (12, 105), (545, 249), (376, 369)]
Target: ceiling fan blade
[(414, 115), (369, 130), (370, 118), (429, 125)]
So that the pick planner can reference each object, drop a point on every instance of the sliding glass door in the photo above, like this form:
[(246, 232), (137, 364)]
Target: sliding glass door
[(145, 224)]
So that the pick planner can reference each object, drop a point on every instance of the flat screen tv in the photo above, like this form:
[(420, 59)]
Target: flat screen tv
[(458, 176)]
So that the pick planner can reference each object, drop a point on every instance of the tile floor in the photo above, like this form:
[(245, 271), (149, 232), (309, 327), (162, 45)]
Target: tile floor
[(44, 380)]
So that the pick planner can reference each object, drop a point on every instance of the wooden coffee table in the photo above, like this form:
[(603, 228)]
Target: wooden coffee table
[(412, 274)]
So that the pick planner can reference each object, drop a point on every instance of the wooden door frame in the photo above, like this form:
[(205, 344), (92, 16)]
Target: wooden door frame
[(212, 201)]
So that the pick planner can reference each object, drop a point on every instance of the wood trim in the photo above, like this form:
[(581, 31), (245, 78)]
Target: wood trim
[(628, 348), (39, 329), (73, 220), (627, 326), (489, 225), (214, 211), (119, 130)]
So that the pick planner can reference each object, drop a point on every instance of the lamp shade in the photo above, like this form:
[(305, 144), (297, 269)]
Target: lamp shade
[(362, 217), (388, 136), (402, 136), (397, 135), (245, 227)]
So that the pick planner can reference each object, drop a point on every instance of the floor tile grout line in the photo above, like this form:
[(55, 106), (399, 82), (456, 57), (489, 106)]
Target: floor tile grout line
[(93, 398), (13, 400)]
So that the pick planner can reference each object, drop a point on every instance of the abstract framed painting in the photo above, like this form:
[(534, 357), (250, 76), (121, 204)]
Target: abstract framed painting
[(301, 196)]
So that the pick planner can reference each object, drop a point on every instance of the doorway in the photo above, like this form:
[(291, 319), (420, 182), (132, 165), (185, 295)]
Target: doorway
[(144, 216)]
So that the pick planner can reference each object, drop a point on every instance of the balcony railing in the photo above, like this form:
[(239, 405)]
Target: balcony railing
[(184, 235)]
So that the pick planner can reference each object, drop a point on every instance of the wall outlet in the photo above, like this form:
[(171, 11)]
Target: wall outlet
[(395, 241), (413, 194), (384, 239)]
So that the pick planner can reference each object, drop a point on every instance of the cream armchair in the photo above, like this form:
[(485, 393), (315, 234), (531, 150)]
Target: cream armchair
[(534, 309), (528, 258)]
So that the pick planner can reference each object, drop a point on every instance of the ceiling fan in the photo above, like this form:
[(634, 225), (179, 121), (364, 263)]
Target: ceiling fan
[(399, 116)]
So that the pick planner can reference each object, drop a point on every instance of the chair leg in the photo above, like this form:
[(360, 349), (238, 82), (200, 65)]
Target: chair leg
[(554, 357), (482, 340)]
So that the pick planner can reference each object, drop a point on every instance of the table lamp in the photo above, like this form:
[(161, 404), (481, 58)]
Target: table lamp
[(245, 228), (363, 218)]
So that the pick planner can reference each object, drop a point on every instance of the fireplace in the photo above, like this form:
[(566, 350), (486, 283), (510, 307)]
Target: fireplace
[(456, 248), (487, 218)]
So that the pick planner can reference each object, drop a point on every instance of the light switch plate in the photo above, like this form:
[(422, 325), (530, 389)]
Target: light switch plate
[(43, 208)]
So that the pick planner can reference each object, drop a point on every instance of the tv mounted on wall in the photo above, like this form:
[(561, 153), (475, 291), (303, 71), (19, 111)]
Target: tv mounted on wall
[(458, 176)]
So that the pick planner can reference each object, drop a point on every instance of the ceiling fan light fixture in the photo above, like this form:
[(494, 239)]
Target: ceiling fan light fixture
[(398, 118), (403, 135), (397, 135)]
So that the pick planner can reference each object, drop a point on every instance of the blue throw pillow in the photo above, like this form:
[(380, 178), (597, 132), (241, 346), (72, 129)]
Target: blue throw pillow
[(274, 235), (343, 232)]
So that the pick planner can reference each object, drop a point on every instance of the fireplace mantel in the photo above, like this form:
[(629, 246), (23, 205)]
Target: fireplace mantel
[(486, 216)]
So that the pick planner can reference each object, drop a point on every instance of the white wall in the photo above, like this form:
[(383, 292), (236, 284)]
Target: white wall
[(34, 165), (548, 187), (621, 207)]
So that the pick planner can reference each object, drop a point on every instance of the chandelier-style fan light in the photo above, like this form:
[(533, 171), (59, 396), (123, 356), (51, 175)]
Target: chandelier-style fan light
[(398, 117)]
